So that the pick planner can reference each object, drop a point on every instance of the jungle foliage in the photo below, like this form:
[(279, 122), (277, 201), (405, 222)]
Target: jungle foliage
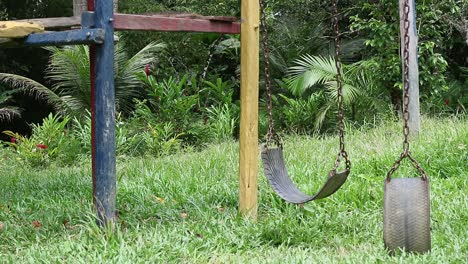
[(188, 91)]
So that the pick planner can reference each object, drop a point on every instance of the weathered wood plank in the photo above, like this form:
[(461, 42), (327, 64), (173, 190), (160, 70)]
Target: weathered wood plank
[(55, 22), (15, 29), (194, 16), (181, 24)]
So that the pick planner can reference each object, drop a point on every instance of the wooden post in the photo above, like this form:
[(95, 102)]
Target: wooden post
[(248, 163), (103, 115), (414, 122), (79, 6)]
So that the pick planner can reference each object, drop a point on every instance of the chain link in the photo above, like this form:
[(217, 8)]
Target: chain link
[(271, 133), (339, 84), (211, 52), (406, 153)]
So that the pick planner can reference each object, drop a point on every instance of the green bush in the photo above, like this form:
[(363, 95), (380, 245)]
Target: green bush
[(49, 141)]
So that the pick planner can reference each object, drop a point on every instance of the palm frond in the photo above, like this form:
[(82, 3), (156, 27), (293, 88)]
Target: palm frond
[(69, 70), (127, 83), (322, 114), (9, 112), (309, 71), (35, 89), (350, 93)]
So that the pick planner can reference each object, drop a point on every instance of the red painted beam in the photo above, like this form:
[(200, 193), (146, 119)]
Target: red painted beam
[(171, 24)]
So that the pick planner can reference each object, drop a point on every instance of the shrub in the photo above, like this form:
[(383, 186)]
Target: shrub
[(49, 141)]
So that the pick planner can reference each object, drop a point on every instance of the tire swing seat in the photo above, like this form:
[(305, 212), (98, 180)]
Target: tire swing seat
[(406, 205), (273, 160), (279, 180)]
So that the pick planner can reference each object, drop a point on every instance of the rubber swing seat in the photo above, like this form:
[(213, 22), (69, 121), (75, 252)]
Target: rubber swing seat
[(406, 212), (275, 170)]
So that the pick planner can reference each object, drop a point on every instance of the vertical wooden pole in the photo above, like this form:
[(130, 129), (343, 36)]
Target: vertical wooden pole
[(78, 7), (248, 163), (414, 122), (103, 120)]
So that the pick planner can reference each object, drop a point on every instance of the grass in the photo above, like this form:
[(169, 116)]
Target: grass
[(183, 208)]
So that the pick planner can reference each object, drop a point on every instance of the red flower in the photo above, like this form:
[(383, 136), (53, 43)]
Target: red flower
[(147, 70), (446, 101), (41, 146), (13, 140)]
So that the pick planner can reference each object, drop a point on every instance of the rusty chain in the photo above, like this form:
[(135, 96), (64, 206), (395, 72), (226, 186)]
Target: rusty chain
[(211, 52), (271, 133), (406, 153), (339, 84)]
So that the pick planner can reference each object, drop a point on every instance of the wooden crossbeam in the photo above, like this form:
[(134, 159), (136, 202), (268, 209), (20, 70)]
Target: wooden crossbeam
[(180, 23), (171, 24), (55, 22)]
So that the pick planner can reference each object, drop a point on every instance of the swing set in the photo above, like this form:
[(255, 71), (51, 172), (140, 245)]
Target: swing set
[(406, 200)]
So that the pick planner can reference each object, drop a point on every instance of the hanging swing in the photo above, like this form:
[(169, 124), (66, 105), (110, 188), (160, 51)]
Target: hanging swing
[(273, 160), (406, 207)]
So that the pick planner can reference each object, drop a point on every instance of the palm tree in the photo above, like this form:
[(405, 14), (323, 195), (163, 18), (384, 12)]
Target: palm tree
[(319, 73), (69, 73)]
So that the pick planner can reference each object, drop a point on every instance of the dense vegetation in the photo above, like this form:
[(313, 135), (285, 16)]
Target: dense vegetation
[(204, 68)]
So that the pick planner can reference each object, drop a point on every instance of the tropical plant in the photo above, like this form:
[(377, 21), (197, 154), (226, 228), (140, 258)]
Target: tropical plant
[(318, 74), (49, 141), (7, 112), (217, 93), (171, 101), (222, 121), (69, 73)]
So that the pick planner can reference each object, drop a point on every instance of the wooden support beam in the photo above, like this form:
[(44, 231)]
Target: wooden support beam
[(103, 118), (72, 37), (181, 24), (55, 22), (128, 22), (414, 121), (248, 163)]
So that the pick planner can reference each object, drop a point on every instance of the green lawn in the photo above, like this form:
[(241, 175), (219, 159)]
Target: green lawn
[(183, 208)]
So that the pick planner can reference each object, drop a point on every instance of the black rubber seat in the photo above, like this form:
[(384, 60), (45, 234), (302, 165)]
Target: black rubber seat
[(275, 171), (406, 212)]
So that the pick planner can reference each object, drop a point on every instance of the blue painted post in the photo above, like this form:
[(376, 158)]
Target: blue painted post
[(104, 180), (71, 37)]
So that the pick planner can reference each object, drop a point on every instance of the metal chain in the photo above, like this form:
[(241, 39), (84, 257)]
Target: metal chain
[(211, 52), (271, 133), (406, 153), (339, 83)]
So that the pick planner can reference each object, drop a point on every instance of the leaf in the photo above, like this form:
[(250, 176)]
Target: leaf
[(159, 199), (36, 224), (309, 71)]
